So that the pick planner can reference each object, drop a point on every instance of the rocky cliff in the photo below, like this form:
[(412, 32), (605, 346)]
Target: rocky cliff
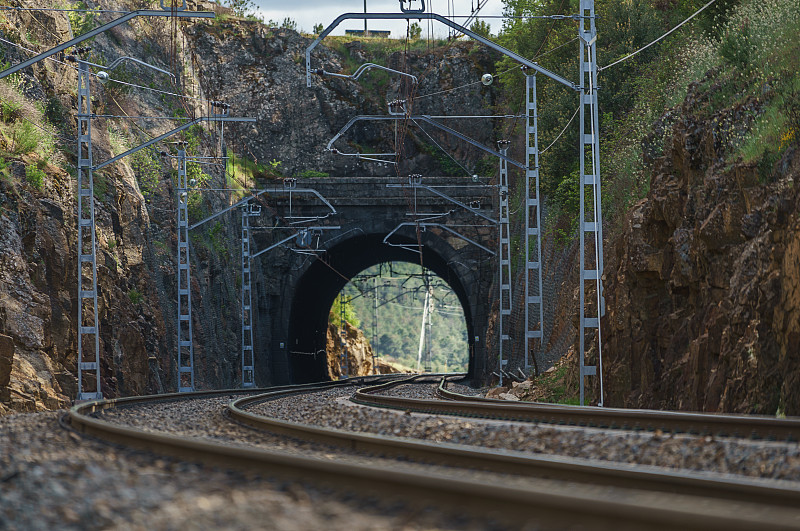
[(261, 73), (359, 354), (703, 282)]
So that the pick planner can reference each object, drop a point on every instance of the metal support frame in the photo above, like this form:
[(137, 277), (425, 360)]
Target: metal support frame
[(534, 304), (589, 178), (504, 252), (185, 343), (423, 226), (248, 357), (343, 361), (439, 18), (375, 326), (415, 118), (88, 319), (426, 308), (105, 27)]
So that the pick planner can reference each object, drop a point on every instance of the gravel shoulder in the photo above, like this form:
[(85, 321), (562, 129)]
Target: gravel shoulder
[(51, 478)]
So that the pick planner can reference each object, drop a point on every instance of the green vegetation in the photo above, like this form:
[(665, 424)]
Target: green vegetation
[(100, 185), (135, 296), (217, 240), (312, 174), (19, 136), (414, 31), (146, 164), (481, 28), (748, 48), (349, 312), (400, 308), (34, 176), (83, 22), (241, 8)]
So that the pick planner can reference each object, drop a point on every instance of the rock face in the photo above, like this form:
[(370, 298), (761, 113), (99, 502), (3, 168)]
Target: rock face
[(359, 352), (261, 72), (702, 286)]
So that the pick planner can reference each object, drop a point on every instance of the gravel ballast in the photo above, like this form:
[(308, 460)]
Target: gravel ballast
[(774, 460)]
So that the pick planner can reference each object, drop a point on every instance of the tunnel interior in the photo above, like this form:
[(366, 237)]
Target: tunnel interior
[(323, 280)]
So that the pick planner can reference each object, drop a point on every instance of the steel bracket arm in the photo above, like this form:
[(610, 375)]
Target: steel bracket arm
[(424, 225), (439, 18), (427, 119), (101, 29), (170, 133)]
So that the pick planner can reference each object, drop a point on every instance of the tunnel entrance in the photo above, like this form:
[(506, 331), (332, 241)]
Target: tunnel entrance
[(399, 317), (325, 278)]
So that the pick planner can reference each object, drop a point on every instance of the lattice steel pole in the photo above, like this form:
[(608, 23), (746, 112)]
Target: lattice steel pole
[(589, 177), (504, 243), (343, 369), (185, 344), (88, 321), (375, 326), (534, 304), (248, 356)]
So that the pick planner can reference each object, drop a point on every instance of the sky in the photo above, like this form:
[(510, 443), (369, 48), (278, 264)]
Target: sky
[(308, 13)]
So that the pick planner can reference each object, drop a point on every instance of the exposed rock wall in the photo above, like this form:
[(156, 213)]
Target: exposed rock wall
[(261, 73), (702, 283)]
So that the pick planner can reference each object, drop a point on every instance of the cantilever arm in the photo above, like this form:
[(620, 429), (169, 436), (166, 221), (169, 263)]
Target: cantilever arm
[(101, 29), (365, 67), (427, 119), (170, 133), (439, 18), (438, 225)]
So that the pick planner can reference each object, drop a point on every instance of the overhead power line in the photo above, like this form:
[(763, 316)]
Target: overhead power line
[(658, 39)]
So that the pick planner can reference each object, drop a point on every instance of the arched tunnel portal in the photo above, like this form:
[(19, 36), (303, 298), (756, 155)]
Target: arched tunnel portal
[(323, 279)]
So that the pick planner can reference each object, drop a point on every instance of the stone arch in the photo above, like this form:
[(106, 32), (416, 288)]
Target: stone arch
[(321, 281)]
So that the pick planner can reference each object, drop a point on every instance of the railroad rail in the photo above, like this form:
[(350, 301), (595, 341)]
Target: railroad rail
[(718, 425), (618, 503)]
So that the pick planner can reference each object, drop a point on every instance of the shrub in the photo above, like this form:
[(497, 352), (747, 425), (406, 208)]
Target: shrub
[(34, 176), (24, 139), (135, 296)]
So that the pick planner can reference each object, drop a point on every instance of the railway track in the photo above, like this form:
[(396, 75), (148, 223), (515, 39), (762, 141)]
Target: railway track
[(514, 486), (739, 426)]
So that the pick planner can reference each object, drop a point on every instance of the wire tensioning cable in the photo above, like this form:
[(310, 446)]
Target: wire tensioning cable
[(562, 131), (658, 39)]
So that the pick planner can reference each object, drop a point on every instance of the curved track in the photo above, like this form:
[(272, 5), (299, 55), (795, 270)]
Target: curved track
[(741, 426), (587, 493)]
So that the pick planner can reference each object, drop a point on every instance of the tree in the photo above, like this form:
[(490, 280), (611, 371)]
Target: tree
[(288, 23), (318, 28), (241, 8), (414, 31), (481, 28)]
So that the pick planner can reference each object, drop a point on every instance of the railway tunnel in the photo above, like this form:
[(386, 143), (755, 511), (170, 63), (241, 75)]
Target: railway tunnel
[(322, 281)]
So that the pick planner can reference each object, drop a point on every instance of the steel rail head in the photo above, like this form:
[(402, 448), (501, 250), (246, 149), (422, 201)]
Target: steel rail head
[(545, 504)]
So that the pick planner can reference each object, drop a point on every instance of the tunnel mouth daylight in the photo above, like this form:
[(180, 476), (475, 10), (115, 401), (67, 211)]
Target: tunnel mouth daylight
[(319, 285)]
